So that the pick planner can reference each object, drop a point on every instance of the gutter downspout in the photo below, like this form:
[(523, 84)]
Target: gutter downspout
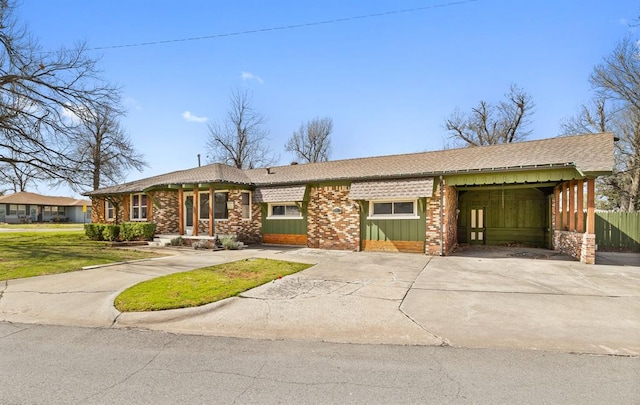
[(441, 217)]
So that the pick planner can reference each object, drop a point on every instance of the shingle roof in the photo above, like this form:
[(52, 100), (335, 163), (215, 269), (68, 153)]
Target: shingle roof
[(589, 153), (592, 153), (278, 194), (213, 173), (25, 197), (405, 188)]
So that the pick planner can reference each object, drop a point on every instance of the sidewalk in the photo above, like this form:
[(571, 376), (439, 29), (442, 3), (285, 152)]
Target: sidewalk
[(368, 298)]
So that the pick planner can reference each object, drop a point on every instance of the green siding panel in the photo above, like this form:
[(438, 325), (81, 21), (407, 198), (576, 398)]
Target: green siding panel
[(394, 229), (283, 226)]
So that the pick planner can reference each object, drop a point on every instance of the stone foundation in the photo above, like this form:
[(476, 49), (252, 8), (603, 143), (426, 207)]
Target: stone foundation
[(580, 246)]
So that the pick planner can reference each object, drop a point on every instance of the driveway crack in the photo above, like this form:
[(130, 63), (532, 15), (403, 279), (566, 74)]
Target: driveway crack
[(4, 288)]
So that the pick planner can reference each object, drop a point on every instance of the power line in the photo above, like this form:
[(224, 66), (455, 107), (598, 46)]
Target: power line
[(285, 27)]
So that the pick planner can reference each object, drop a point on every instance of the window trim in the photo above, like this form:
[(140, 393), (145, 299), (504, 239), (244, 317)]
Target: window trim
[(287, 203), (200, 217), (139, 207), (215, 205), (108, 206), (242, 217), (413, 215)]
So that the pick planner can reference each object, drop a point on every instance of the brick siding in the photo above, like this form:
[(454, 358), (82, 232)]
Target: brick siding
[(248, 231), (449, 221), (328, 229)]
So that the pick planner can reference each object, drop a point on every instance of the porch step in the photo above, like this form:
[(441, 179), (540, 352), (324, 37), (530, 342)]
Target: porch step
[(160, 242)]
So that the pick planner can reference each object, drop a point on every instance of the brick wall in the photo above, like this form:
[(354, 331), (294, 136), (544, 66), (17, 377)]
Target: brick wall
[(449, 221), (98, 210), (165, 210), (328, 229), (245, 230)]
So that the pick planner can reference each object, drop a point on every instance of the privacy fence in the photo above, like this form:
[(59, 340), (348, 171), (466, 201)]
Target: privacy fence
[(618, 231)]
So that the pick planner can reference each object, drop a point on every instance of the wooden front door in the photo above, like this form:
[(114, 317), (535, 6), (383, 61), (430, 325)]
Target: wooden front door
[(477, 227)]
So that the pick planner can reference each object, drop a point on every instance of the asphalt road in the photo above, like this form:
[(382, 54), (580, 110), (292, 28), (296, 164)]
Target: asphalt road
[(69, 365)]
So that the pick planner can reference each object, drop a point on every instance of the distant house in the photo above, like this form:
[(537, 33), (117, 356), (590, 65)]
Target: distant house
[(529, 193), (24, 207)]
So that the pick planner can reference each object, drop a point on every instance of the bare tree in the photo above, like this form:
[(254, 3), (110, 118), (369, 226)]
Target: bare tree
[(489, 124), (240, 139), (36, 87), (616, 109), (103, 149), (312, 142), (18, 176)]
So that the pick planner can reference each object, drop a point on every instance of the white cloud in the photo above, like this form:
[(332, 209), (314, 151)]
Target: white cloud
[(193, 118), (250, 76)]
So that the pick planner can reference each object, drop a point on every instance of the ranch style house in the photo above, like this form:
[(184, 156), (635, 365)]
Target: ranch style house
[(537, 193)]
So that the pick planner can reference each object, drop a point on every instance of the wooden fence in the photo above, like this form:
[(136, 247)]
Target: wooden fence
[(618, 231)]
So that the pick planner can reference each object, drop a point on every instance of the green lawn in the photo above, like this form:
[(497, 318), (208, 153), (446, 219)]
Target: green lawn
[(28, 254), (203, 286), (43, 225)]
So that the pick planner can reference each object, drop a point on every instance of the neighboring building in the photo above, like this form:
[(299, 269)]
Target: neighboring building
[(24, 207), (527, 193)]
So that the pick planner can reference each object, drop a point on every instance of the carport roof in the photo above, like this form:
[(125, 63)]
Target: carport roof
[(589, 154)]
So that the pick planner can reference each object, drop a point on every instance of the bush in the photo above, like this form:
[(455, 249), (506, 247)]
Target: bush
[(229, 242), (126, 231), (202, 244), (137, 231), (94, 231), (177, 241), (111, 232)]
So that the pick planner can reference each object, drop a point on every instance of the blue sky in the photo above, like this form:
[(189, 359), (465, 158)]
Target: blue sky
[(387, 82)]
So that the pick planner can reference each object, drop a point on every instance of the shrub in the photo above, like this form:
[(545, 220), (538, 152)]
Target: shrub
[(137, 231), (94, 231), (111, 232), (202, 244), (177, 241), (230, 242)]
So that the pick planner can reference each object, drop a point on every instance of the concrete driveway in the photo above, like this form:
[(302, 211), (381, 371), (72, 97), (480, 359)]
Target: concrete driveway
[(529, 299)]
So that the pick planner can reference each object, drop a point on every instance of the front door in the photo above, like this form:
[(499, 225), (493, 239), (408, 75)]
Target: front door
[(188, 214), (476, 221)]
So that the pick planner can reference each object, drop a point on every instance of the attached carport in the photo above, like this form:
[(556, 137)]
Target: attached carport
[(510, 205)]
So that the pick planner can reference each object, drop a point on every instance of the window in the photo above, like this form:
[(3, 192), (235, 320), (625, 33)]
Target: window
[(246, 204), (284, 210), (18, 209), (109, 210), (203, 211), (139, 207), (220, 209), (392, 209)]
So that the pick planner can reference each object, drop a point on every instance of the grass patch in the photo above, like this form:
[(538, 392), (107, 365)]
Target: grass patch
[(43, 225), (203, 286), (29, 254)]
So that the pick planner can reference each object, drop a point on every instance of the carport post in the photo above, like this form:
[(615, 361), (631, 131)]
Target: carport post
[(591, 208), (441, 217)]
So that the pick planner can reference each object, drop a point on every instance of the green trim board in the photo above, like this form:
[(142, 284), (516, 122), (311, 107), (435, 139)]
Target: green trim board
[(522, 177)]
